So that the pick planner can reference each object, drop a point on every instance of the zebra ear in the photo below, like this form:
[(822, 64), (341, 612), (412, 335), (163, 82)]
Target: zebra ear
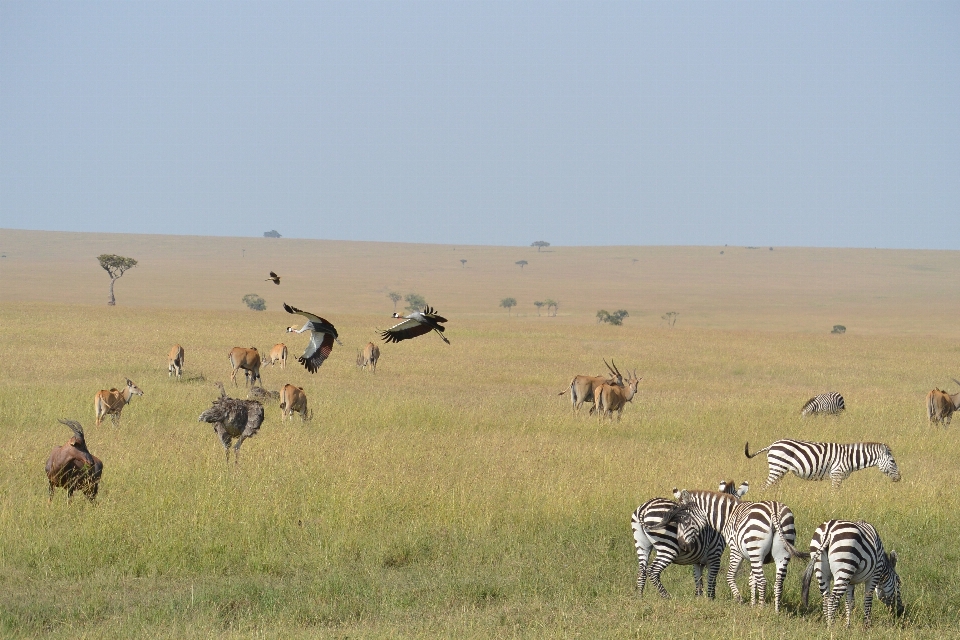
[(892, 558), (676, 493), (742, 491)]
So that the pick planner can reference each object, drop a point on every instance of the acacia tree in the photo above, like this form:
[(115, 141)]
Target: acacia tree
[(552, 303), (508, 303), (539, 305), (395, 297), (463, 263), (522, 264), (115, 265), (415, 301), (540, 244)]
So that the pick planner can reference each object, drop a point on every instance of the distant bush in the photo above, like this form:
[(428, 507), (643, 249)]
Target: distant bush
[(615, 318), (255, 302), (839, 328), (271, 234), (415, 301)]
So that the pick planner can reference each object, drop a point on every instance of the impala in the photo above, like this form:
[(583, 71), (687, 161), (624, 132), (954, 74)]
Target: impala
[(112, 402)]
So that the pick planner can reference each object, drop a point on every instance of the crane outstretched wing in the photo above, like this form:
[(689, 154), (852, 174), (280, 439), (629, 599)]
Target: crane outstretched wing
[(405, 330), (319, 324), (274, 277), (431, 313), (320, 347)]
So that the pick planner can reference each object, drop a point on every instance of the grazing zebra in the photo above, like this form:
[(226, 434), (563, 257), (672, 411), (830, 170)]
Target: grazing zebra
[(653, 528), (851, 553), (762, 532), (824, 403), (816, 460)]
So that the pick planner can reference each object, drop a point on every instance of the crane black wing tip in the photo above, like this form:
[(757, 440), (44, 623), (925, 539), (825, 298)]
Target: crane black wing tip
[(288, 308)]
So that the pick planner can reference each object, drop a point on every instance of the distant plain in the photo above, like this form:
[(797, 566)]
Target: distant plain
[(454, 493)]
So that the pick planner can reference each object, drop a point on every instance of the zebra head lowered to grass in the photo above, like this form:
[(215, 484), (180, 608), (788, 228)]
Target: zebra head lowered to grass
[(851, 553), (831, 403), (817, 460)]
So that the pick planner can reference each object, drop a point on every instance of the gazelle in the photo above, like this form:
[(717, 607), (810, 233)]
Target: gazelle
[(582, 387), (609, 398), (248, 360), (293, 400), (112, 402), (175, 361), (369, 356), (278, 354)]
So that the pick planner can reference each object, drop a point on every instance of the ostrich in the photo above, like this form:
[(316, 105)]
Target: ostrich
[(233, 418), (322, 335), (274, 278), (416, 324)]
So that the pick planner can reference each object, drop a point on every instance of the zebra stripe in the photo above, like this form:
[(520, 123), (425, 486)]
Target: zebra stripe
[(824, 403), (817, 460), (761, 532), (851, 553)]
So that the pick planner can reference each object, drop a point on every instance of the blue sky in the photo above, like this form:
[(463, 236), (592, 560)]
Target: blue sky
[(830, 124)]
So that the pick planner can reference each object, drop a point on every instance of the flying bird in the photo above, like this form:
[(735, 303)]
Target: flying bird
[(274, 278), (416, 324), (322, 336)]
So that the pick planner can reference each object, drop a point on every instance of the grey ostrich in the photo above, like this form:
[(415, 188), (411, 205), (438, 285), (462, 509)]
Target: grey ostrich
[(233, 418)]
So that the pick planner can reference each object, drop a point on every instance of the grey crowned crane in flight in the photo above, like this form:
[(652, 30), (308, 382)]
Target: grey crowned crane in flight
[(274, 278), (416, 324), (322, 335)]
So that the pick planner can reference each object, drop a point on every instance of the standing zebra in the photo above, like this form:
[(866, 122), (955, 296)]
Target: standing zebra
[(654, 528), (816, 460), (851, 553), (762, 532), (824, 403)]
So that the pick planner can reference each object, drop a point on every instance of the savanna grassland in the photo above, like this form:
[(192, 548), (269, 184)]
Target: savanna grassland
[(454, 494)]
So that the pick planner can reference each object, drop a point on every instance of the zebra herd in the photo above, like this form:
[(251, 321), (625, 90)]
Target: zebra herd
[(695, 527)]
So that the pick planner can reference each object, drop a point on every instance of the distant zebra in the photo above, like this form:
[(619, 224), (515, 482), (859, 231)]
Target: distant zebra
[(824, 403), (851, 553), (762, 532), (654, 530), (816, 460)]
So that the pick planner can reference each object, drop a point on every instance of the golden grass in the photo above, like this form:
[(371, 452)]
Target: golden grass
[(453, 493)]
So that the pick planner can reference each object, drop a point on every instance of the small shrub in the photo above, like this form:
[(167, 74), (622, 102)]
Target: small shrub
[(255, 302), (615, 318), (839, 328), (415, 301)]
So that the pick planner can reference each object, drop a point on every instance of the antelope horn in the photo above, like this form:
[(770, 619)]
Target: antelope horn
[(955, 380), (615, 369), (608, 367), (74, 426)]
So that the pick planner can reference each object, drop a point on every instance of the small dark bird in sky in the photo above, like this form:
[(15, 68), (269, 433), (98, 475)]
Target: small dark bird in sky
[(416, 324), (322, 336), (274, 278)]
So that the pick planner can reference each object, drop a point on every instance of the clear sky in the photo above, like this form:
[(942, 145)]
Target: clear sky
[(748, 123)]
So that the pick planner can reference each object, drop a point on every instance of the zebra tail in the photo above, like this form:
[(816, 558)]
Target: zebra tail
[(807, 576), (792, 550), (746, 450)]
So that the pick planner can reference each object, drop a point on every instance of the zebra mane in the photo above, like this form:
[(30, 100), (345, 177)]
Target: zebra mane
[(808, 403)]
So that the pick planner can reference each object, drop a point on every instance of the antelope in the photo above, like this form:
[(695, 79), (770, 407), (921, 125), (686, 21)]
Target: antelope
[(293, 400), (248, 360), (582, 387), (322, 336), (941, 405), (175, 361), (370, 356), (608, 398), (73, 467), (112, 402), (278, 354), (416, 324)]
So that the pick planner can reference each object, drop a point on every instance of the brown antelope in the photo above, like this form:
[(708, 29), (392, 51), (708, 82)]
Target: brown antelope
[(278, 354), (111, 403), (175, 361), (582, 387), (370, 356), (293, 400), (941, 405), (249, 361), (608, 398), (73, 467)]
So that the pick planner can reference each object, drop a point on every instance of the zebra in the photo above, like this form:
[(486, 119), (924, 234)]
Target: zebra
[(852, 553), (653, 529), (816, 460), (824, 403), (762, 532)]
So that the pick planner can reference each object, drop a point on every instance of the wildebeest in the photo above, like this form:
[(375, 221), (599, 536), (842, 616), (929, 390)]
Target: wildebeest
[(370, 356), (248, 360), (941, 405), (112, 402), (175, 361), (582, 387), (73, 467), (278, 354), (233, 418), (293, 400), (608, 398)]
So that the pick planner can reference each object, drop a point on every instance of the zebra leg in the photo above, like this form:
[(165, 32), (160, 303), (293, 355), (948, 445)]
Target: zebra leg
[(776, 474), (642, 572), (759, 582), (735, 559), (849, 602), (698, 580), (840, 586), (837, 476), (778, 584), (867, 600), (659, 564), (713, 569)]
